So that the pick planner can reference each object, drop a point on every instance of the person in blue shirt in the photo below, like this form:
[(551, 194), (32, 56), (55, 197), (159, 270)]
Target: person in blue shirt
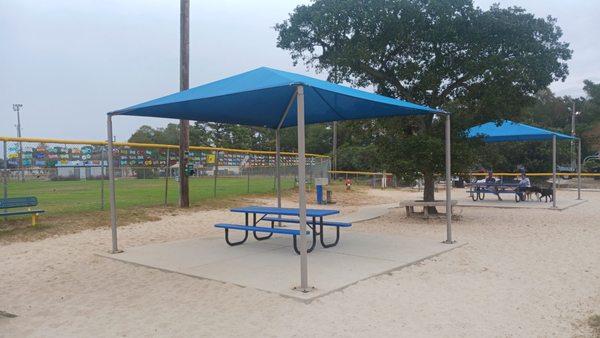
[(524, 183)]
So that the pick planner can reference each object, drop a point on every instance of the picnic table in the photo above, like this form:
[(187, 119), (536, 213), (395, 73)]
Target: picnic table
[(411, 204), (274, 215), (478, 190)]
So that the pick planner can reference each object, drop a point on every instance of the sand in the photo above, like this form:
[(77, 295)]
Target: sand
[(523, 272)]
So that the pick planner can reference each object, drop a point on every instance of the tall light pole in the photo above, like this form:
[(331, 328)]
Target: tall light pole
[(17, 107), (184, 84)]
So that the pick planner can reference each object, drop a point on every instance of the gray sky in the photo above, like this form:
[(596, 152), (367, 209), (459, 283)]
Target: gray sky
[(71, 61)]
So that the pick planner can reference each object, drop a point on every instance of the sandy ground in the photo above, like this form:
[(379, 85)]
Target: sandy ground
[(523, 273)]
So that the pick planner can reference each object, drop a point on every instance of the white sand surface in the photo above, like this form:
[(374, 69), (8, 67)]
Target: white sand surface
[(524, 272)]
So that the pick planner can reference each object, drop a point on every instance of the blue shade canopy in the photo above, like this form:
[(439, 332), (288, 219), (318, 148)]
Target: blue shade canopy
[(513, 131), (260, 97)]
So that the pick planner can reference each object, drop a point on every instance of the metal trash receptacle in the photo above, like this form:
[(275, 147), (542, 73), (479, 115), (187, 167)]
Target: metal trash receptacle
[(319, 183)]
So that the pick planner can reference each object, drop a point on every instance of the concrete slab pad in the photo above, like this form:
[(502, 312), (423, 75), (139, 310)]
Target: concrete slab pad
[(511, 204), (273, 266)]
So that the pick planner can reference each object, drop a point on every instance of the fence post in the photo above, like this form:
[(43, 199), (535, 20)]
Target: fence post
[(167, 174), (248, 172), (102, 178), (5, 175), (216, 173)]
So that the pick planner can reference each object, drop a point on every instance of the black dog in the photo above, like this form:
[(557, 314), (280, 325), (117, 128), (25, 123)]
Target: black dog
[(545, 193), (529, 191)]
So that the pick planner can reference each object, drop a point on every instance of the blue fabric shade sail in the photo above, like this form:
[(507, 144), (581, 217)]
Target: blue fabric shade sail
[(260, 97), (513, 131)]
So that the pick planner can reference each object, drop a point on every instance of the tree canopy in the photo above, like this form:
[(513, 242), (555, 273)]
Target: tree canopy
[(479, 64)]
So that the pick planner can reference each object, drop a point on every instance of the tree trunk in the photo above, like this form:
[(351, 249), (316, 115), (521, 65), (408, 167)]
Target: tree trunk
[(429, 191)]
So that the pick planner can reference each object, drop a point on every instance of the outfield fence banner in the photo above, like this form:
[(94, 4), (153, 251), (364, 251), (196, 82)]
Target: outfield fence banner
[(147, 174)]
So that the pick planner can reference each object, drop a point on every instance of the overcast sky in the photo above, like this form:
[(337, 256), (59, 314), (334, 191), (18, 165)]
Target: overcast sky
[(71, 61)]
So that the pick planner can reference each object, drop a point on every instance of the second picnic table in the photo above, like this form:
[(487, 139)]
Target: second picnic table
[(315, 222)]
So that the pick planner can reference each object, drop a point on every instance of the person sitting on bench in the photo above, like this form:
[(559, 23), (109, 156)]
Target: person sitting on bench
[(492, 181), (524, 183)]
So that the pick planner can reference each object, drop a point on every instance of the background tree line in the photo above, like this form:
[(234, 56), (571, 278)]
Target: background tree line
[(358, 151)]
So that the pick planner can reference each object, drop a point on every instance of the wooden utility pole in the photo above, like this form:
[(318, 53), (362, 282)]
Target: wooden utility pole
[(184, 84)]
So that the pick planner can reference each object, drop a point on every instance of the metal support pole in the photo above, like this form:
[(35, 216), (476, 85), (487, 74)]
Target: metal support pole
[(17, 107), (448, 184), (216, 173), (334, 150), (277, 167), (572, 152), (167, 175), (579, 169), (248, 171), (553, 171), (102, 179), (111, 177), (5, 174), (302, 191)]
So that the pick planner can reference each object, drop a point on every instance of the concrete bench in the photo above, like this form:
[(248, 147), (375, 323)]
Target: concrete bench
[(410, 206)]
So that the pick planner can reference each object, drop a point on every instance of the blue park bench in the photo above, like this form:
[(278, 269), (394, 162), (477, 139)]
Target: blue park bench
[(20, 202)]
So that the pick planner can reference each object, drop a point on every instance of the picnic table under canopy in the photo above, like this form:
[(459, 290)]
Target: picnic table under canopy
[(509, 131), (275, 99)]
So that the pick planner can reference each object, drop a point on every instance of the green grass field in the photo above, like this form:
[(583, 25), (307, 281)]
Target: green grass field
[(64, 197)]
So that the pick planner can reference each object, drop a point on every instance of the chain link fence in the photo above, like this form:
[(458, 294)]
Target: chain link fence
[(364, 178), (73, 177)]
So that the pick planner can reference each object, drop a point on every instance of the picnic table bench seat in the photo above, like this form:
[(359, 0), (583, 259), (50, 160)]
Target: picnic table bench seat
[(297, 221), (271, 231), (20, 202), (312, 224)]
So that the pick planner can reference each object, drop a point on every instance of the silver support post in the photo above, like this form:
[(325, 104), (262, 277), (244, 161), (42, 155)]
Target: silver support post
[(111, 184), (216, 173), (167, 175), (448, 184), (553, 171), (334, 150), (278, 167), (102, 179), (302, 191), (579, 170), (5, 174)]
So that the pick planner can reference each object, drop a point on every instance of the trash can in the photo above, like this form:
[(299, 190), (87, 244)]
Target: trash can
[(319, 194), (319, 183)]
